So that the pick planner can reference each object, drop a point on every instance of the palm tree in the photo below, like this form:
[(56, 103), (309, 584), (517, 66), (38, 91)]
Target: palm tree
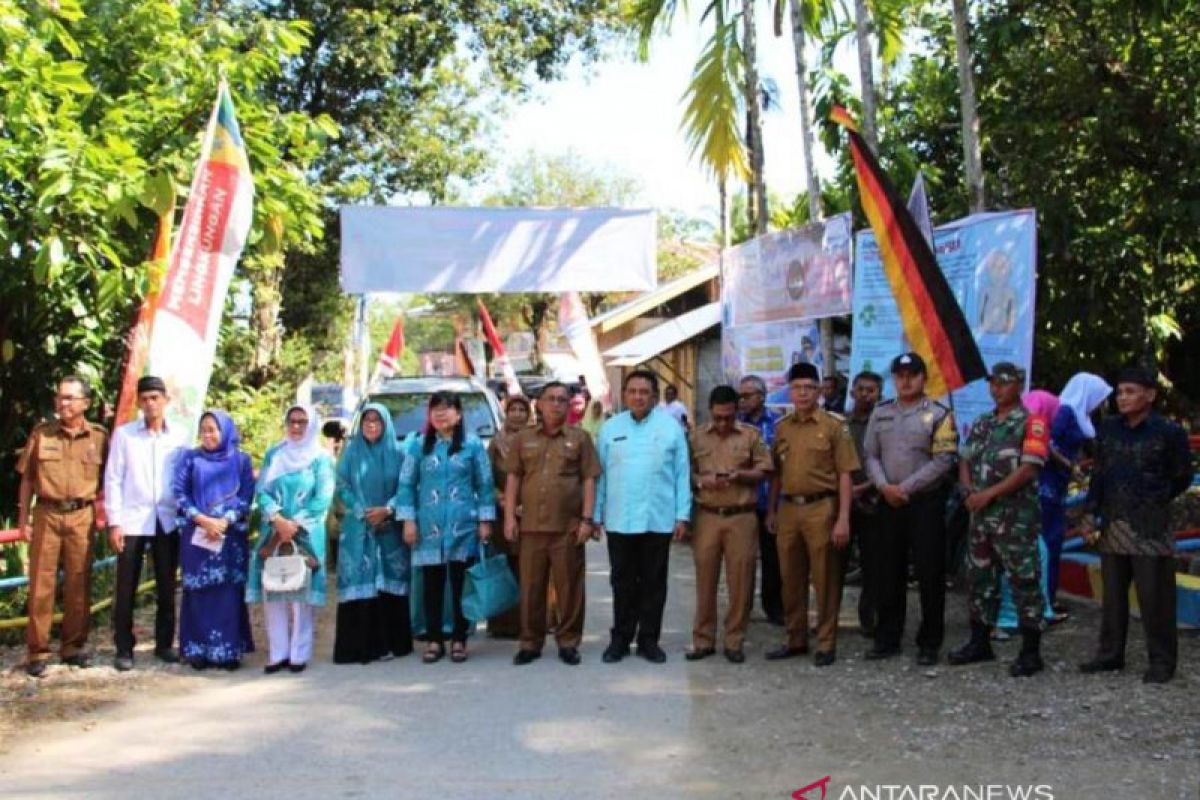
[(725, 70), (866, 72), (712, 111), (806, 16), (752, 91), (972, 158)]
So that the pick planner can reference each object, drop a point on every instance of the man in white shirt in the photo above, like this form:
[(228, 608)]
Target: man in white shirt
[(138, 490), (672, 405)]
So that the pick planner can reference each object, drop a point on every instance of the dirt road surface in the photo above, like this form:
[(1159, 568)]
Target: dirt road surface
[(707, 729)]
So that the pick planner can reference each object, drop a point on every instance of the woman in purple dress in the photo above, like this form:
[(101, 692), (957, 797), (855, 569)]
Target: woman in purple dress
[(214, 485)]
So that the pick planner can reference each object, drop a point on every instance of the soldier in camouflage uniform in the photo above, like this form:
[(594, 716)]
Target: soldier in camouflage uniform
[(1000, 462)]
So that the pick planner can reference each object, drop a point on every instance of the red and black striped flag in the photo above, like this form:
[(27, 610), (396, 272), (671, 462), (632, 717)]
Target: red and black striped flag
[(933, 321)]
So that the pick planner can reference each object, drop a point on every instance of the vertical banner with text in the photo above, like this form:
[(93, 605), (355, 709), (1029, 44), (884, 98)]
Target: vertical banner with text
[(215, 225)]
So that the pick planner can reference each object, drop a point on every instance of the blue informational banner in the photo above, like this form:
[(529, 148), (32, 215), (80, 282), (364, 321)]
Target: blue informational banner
[(990, 262)]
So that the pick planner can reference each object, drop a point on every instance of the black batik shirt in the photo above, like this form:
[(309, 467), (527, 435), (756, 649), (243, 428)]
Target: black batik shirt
[(1138, 471)]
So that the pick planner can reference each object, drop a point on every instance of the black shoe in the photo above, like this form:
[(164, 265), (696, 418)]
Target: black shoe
[(198, 664), (1029, 660), (977, 649), (783, 651), (35, 669), (927, 656), (776, 620), (1154, 675), (524, 657), (881, 651), (614, 653), (652, 653), (569, 656), (271, 669), (297, 668), (1027, 664), (1101, 665), (823, 658), (699, 653), (230, 666), (123, 662), (80, 661), (735, 656), (167, 655)]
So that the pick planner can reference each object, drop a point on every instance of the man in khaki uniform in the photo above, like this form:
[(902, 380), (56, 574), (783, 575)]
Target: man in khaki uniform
[(61, 466), (552, 471), (729, 459), (809, 511)]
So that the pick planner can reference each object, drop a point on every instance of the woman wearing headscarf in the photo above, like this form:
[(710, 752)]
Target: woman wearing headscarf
[(516, 419), (214, 486), (1071, 427), (448, 504), (373, 568), (295, 488)]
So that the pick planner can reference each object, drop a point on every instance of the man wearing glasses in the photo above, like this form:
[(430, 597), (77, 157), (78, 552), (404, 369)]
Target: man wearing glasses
[(752, 408), (61, 466), (809, 513), (142, 516)]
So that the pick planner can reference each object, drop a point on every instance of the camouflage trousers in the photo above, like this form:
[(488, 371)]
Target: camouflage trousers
[(998, 543)]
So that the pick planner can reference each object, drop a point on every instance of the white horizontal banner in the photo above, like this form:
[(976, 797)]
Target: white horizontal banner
[(442, 249)]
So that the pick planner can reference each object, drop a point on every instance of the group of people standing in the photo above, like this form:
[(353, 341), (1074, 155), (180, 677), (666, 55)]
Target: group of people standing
[(747, 483), (1012, 476)]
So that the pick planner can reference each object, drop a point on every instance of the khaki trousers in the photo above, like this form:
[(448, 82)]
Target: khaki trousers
[(802, 538), (734, 538), (66, 536), (551, 558)]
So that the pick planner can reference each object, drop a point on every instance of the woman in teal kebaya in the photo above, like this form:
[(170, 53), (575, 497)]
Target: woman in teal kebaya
[(447, 502)]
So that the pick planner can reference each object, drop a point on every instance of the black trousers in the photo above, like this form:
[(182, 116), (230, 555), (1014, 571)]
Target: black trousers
[(638, 575), (371, 629), (1154, 580), (435, 587), (164, 550), (864, 528), (921, 526), (770, 585)]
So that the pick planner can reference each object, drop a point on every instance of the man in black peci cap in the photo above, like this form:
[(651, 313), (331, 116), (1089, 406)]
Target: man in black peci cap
[(910, 447), (1142, 463), (140, 499)]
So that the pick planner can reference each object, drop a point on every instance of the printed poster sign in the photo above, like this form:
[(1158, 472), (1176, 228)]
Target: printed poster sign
[(990, 262), (801, 273)]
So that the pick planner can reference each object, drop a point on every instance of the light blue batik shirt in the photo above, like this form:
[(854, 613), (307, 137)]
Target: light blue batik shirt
[(646, 484)]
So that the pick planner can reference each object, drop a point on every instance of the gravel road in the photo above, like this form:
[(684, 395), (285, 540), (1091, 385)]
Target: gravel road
[(707, 729)]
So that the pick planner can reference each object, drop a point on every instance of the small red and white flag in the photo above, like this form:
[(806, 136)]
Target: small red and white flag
[(389, 360), (506, 367)]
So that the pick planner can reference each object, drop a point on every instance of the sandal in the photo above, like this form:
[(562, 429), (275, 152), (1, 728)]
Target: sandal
[(433, 652), (458, 652)]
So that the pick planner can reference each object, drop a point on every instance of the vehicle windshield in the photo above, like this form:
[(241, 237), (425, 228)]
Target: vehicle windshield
[(409, 412)]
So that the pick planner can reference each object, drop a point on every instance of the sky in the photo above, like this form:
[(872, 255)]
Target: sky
[(625, 113)]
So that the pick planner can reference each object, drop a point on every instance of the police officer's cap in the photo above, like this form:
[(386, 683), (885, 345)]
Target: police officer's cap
[(1006, 372), (803, 372), (908, 362)]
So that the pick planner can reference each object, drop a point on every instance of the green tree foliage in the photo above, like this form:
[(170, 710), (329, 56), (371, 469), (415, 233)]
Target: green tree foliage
[(101, 104), (1090, 115)]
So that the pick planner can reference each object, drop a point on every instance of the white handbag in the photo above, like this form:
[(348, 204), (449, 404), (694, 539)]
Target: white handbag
[(286, 574)]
